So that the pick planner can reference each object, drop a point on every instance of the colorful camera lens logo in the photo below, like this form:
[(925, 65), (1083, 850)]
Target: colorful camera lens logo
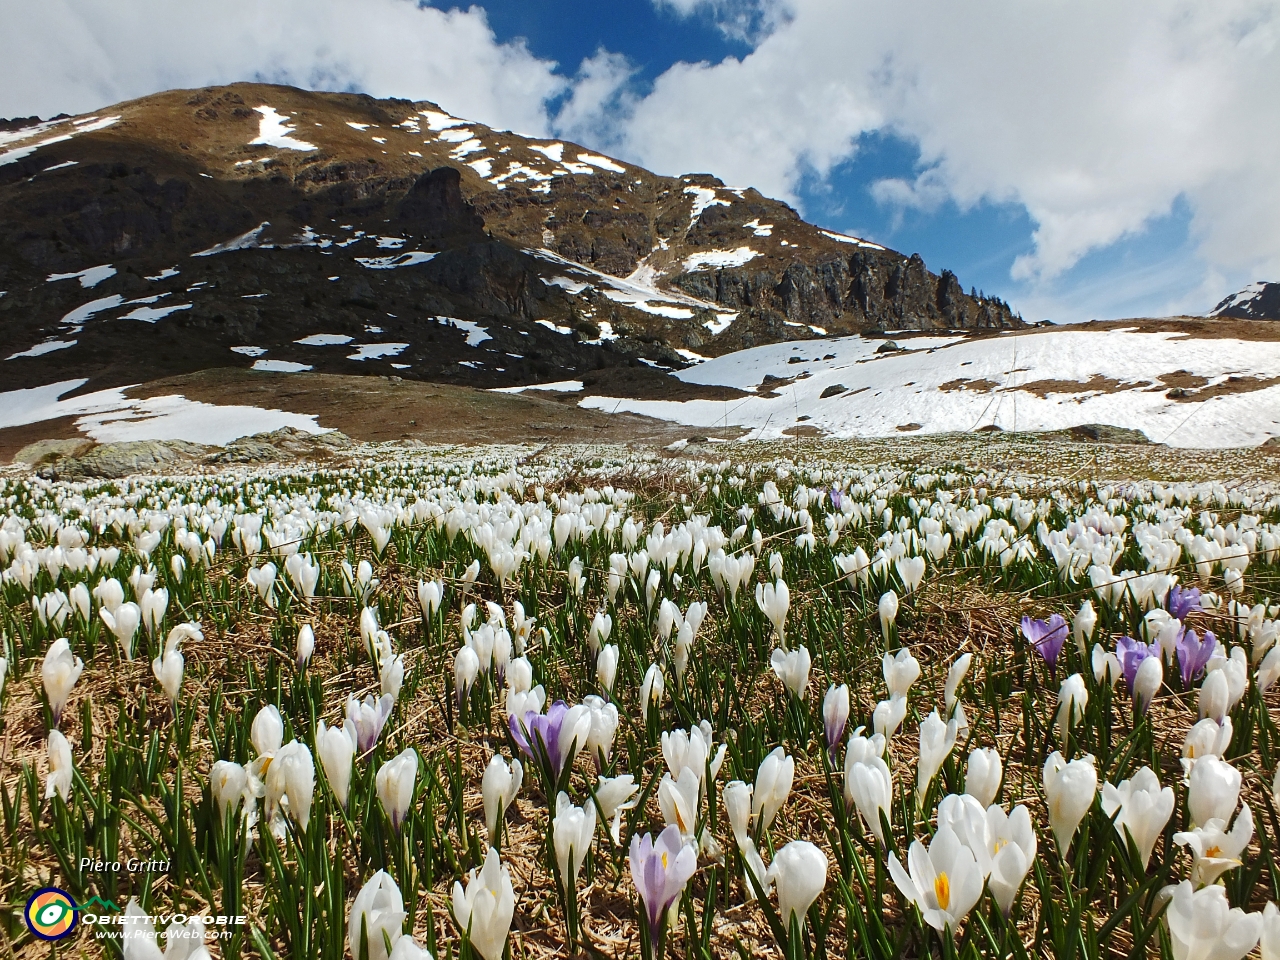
[(51, 914)]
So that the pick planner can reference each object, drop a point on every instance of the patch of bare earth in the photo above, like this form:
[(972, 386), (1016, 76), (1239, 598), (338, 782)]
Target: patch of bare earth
[(375, 409), (964, 383), (1095, 384)]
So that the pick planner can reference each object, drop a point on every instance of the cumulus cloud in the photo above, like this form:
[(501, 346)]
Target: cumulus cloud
[(1095, 116), (78, 55)]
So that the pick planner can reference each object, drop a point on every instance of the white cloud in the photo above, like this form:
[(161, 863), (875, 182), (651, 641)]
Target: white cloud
[(1096, 116), (78, 55)]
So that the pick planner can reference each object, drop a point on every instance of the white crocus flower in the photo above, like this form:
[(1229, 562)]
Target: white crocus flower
[(1140, 808), (1069, 790), (1214, 849), (944, 881)]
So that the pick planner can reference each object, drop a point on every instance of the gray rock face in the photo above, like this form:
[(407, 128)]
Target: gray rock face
[(82, 460), (109, 461)]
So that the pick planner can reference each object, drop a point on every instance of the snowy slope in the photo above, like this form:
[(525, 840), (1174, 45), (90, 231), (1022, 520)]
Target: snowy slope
[(1044, 380)]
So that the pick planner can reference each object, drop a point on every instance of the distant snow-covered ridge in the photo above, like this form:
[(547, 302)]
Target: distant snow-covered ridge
[(1180, 390)]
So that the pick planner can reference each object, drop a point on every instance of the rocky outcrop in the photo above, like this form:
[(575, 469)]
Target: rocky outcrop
[(82, 459), (1258, 301)]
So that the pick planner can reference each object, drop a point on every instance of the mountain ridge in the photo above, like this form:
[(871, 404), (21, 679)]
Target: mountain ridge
[(222, 214)]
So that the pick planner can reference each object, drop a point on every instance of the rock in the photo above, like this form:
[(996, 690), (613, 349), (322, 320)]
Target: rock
[(833, 390), (888, 347), (110, 461), (44, 451), (1105, 433), (287, 443)]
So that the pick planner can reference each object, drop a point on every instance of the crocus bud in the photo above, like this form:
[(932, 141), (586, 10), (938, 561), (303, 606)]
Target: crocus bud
[(888, 610), (1069, 789), (466, 667), (1213, 790), (498, 788), (937, 740), (651, 689), (1215, 695), (430, 593), (1082, 626), (336, 747), (572, 830), (484, 911), (1146, 682), (377, 914), (983, 774), (168, 671), (60, 767), (395, 782), (955, 676), (835, 715), (267, 731), (772, 787), (391, 675), (306, 645), (774, 599), (604, 726), (800, 872), (1073, 697), (227, 781), (59, 672), (1106, 666), (607, 667), (737, 804)]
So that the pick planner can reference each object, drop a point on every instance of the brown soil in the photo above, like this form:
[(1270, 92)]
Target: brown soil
[(13, 439), (1227, 387), (385, 408), (1182, 379), (1095, 384), (964, 383)]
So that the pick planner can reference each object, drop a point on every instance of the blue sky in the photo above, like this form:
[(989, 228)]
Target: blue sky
[(1140, 274), (1079, 159)]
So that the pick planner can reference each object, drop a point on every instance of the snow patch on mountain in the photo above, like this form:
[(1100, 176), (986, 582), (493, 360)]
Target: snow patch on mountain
[(1046, 380), (274, 130), (88, 277)]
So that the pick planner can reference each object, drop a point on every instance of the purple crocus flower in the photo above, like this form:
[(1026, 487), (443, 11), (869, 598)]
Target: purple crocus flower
[(1046, 636), (369, 718), (660, 871), (1194, 654), (1182, 601), (837, 498), (1131, 653), (561, 732)]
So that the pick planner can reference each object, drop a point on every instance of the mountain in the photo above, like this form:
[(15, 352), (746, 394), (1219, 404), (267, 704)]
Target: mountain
[(1257, 301), (269, 228)]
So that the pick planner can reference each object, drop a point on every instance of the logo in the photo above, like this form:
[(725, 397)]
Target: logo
[(51, 914)]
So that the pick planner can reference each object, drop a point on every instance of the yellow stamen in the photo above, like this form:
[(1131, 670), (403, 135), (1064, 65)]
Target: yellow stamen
[(999, 846), (1212, 852), (664, 860), (942, 890)]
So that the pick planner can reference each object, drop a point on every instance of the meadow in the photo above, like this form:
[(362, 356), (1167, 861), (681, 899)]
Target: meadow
[(535, 702)]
